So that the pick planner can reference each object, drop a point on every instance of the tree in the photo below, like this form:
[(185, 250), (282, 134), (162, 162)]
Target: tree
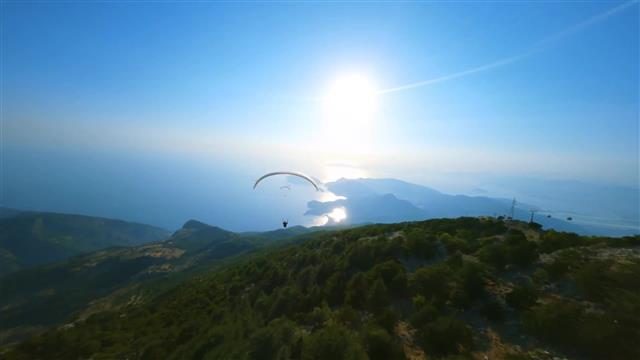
[(377, 298), (522, 297), (432, 282), (492, 310), (357, 290), (454, 244), (523, 254), (394, 276), (540, 276), (268, 341), (333, 342), (423, 312), (334, 288), (553, 240), (494, 255), (446, 336), (380, 345), (420, 244)]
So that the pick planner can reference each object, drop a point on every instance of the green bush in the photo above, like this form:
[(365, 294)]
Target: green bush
[(494, 255), (420, 244), (277, 337), (380, 345), (522, 297), (357, 291), (423, 312), (446, 336), (492, 310), (333, 342), (377, 297), (432, 282), (597, 335), (553, 240)]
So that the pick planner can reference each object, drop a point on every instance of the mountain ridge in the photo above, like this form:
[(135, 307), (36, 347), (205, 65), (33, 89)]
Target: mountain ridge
[(29, 238), (46, 295)]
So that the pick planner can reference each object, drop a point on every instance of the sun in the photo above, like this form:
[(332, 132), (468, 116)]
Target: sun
[(349, 105), (338, 214), (351, 98)]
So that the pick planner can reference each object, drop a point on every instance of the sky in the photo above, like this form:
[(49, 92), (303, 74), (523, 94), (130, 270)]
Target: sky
[(453, 91)]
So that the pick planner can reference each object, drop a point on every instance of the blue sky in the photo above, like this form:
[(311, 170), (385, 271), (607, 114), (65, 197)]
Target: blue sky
[(238, 85)]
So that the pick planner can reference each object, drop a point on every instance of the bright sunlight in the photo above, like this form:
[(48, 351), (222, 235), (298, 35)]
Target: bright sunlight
[(349, 106)]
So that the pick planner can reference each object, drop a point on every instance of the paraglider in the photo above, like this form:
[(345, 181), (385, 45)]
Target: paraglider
[(310, 180), (285, 189), (292, 173)]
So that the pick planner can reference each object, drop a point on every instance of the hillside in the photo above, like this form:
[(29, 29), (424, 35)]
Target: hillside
[(456, 288), (33, 238), (35, 298)]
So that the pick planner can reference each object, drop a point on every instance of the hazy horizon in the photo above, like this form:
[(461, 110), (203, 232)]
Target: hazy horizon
[(164, 112)]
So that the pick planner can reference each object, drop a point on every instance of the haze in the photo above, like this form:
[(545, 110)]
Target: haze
[(162, 112)]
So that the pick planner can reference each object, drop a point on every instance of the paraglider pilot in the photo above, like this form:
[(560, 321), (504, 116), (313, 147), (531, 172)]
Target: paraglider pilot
[(285, 222)]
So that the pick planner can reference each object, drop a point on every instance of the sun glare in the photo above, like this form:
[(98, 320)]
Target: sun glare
[(335, 216), (335, 172), (351, 98), (349, 106), (338, 214)]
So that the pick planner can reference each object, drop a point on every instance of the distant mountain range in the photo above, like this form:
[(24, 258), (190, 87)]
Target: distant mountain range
[(34, 238), (391, 200)]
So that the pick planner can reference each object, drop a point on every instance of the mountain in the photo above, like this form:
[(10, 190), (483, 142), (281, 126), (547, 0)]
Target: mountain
[(47, 295), (370, 209), (8, 212), (33, 238), (390, 200), (195, 236), (446, 288)]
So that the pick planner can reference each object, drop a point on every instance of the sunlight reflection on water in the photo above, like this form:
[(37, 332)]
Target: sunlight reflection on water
[(328, 196), (336, 215)]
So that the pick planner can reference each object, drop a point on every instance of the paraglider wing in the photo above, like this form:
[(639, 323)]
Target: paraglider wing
[(292, 173)]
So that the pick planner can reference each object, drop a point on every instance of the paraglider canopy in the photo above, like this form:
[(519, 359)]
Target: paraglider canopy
[(285, 221), (292, 173)]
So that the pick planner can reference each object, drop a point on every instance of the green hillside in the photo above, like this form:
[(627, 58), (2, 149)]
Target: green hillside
[(48, 295), (463, 288), (29, 238)]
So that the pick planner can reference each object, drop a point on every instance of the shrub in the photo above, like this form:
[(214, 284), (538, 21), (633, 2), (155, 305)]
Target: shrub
[(492, 310), (553, 240), (381, 345), (446, 336), (431, 282), (333, 342), (522, 297)]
